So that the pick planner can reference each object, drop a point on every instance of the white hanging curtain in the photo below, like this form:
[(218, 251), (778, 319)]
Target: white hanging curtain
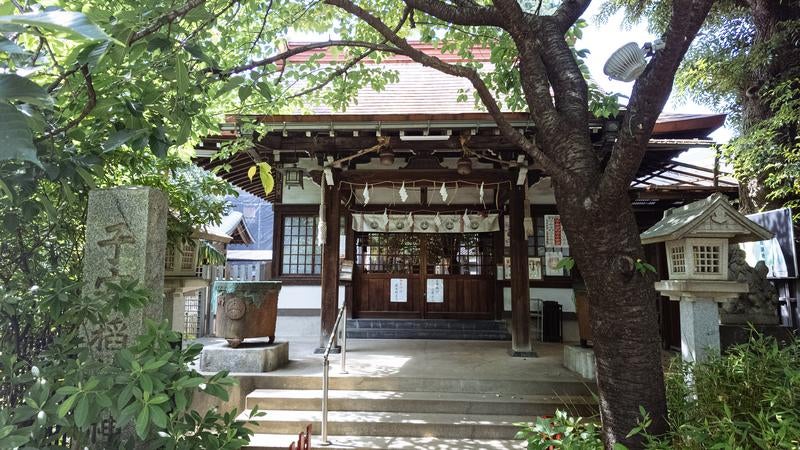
[(425, 223)]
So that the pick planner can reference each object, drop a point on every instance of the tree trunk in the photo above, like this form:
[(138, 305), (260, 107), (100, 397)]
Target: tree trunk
[(604, 241)]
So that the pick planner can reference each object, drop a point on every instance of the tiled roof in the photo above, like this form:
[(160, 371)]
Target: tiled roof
[(418, 90)]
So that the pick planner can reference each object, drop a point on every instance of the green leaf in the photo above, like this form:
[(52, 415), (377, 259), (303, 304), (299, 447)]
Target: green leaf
[(182, 75), (16, 139), (82, 411), (147, 384), (15, 87), (67, 405), (141, 422), (159, 399), (10, 47), (69, 23), (251, 172), (159, 144), (14, 441), (267, 182), (244, 92), (121, 138), (67, 390), (158, 417), (91, 54), (6, 430)]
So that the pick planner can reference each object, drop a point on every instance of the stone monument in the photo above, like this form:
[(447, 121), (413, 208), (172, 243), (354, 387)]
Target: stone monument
[(759, 305), (697, 237), (126, 235)]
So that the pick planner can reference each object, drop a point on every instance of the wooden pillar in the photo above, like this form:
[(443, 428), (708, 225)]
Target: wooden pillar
[(499, 285), (520, 287), (329, 306)]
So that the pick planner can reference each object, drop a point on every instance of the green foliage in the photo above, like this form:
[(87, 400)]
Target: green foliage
[(643, 267), (566, 262), (69, 388), (746, 399), (561, 432), (750, 398), (751, 75)]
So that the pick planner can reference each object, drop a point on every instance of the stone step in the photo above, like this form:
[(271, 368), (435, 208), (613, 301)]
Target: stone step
[(536, 384), (377, 423), (428, 333), (435, 324), (282, 442), (431, 402)]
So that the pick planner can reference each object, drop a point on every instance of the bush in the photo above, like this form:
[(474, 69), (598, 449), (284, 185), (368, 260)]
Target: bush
[(746, 399), (62, 396), (749, 398)]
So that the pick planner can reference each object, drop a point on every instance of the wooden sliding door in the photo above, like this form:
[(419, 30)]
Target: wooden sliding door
[(403, 275)]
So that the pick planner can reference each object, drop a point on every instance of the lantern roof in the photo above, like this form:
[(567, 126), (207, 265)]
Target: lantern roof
[(712, 217)]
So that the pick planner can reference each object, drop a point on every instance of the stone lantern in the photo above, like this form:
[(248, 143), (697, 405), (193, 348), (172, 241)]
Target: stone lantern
[(697, 237)]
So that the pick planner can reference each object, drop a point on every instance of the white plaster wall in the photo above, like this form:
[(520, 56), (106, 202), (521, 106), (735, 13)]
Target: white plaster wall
[(542, 193), (303, 297), (565, 297), (309, 194)]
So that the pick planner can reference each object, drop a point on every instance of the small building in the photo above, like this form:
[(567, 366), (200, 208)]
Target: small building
[(429, 203)]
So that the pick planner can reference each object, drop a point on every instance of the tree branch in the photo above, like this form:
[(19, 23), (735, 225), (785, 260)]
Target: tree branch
[(263, 26), (209, 22), (90, 104), (165, 19), (473, 14), (512, 134), (349, 65), (569, 12), (650, 94), (298, 50)]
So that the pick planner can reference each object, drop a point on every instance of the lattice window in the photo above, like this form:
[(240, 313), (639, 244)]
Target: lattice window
[(447, 254), (388, 252), (706, 258), (191, 315), (169, 259), (301, 256), (468, 254), (678, 257), (188, 260)]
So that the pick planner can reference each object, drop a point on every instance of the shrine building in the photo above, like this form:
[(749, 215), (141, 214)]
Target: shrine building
[(411, 206)]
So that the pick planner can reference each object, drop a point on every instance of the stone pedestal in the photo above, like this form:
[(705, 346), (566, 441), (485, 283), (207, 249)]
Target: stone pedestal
[(581, 360), (699, 314), (699, 329), (126, 235), (256, 357)]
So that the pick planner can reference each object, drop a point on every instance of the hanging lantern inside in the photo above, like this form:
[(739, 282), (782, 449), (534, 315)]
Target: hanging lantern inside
[(387, 156), (464, 166)]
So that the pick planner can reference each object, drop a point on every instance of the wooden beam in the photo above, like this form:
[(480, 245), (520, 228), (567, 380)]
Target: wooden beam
[(520, 288), (429, 178)]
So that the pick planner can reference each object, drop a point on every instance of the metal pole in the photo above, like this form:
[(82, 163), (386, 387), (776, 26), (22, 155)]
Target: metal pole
[(325, 369), (344, 339)]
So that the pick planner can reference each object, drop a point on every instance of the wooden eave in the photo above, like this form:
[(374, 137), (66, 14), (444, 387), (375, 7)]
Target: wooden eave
[(296, 136)]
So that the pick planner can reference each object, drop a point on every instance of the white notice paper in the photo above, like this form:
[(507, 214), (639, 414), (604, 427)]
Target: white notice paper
[(398, 290), (435, 290)]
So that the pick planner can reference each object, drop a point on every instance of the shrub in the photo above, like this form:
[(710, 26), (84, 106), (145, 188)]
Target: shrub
[(747, 399), (63, 395)]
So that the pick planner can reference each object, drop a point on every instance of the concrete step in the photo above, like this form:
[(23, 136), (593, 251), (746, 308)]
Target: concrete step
[(428, 333), (535, 385), (282, 441), (441, 324), (431, 402), (376, 423)]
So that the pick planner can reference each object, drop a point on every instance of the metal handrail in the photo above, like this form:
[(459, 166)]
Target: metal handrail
[(326, 367)]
